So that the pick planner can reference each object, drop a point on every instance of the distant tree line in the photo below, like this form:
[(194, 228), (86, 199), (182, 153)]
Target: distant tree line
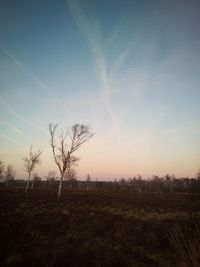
[(155, 184)]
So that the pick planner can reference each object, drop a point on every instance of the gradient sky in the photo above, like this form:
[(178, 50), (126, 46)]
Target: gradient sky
[(129, 69)]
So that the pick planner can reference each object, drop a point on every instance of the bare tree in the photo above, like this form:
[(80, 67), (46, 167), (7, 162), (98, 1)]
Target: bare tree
[(51, 179), (71, 176), (68, 144), (198, 175), (1, 170), (88, 182), (51, 176), (9, 175), (30, 162), (36, 182)]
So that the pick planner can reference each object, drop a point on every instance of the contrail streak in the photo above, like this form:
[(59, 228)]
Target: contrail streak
[(94, 45), (30, 74), (8, 138), (26, 121), (23, 119), (12, 127)]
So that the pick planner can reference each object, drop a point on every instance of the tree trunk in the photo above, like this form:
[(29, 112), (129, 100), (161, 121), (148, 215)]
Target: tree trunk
[(60, 187), (27, 184)]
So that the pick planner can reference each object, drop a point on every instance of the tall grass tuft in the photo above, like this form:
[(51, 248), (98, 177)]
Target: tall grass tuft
[(186, 245)]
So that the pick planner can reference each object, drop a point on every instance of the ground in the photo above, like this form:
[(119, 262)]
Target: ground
[(97, 228)]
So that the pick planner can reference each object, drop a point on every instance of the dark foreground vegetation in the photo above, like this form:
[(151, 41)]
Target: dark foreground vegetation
[(99, 228)]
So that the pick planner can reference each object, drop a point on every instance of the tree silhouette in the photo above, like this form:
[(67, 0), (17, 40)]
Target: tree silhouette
[(30, 162), (67, 145), (9, 175), (1, 170)]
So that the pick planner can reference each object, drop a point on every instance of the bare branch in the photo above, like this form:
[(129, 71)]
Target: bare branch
[(80, 134), (52, 130)]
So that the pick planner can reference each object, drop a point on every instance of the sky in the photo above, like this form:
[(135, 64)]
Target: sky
[(129, 69)]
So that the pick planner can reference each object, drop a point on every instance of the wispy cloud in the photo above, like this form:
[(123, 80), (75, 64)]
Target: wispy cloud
[(32, 76), (91, 33)]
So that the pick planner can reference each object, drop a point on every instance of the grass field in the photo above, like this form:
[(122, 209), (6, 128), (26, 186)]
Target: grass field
[(99, 229)]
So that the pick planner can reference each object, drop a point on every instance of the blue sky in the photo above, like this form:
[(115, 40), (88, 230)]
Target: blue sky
[(130, 69)]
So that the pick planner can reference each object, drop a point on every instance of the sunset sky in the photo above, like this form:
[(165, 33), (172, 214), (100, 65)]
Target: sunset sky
[(129, 69)]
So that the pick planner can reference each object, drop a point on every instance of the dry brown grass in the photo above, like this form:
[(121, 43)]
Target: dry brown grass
[(186, 245)]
